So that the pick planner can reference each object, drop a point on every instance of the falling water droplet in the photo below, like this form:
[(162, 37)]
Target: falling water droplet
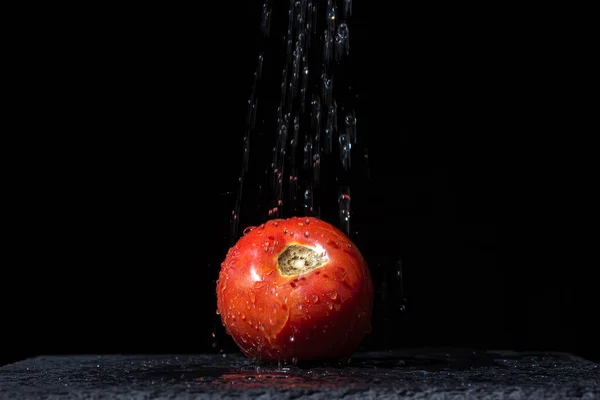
[(342, 41), (350, 121), (308, 201), (327, 47), (347, 8), (345, 150), (344, 209), (292, 339), (399, 286), (327, 90), (259, 66), (331, 15), (265, 25)]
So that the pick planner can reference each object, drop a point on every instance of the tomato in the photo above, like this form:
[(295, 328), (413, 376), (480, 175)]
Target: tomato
[(295, 289)]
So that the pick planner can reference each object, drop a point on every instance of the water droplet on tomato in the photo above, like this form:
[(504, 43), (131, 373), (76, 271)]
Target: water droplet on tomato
[(243, 316), (300, 307), (247, 229), (275, 224), (307, 221), (315, 298), (272, 290), (332, 295), (285, 231), (329, 305), (218, 311), (306, 234), (291, 233)]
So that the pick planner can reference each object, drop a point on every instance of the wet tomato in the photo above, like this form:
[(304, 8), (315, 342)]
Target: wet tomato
[(295, 289)]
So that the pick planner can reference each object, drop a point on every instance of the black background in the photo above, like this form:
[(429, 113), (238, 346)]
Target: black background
[(128, 198)]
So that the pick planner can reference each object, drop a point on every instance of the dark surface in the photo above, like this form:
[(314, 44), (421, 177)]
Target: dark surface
[(410, 374)]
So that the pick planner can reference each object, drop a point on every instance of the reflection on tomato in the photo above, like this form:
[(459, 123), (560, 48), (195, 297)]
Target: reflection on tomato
[(295, 289)]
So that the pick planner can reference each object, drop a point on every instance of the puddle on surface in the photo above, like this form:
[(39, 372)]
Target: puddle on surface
[(359, 372)]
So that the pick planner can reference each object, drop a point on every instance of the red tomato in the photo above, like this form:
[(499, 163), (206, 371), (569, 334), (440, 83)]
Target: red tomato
[(295, 289)]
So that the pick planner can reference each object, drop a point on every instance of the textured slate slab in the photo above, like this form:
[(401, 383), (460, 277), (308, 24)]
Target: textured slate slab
[(406, 374)]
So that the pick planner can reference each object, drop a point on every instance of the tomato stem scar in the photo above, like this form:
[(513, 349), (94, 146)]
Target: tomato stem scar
[(296, 260)]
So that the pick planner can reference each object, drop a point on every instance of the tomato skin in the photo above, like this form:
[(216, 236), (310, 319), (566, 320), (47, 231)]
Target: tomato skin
[(321, 314)]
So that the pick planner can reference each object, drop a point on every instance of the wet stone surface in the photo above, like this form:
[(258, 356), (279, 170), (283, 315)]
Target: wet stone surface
[(405, 374)]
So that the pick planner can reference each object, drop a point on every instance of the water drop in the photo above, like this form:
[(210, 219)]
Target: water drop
[(214, 334), (306, 234), (259, 66), (331, 14), (218, 311), (342, 41), (300, 307), (265, 23), (315, 298), (329, 305), (327, 89), (350, 122), (285, 231), (345, 151), (344, 209), (308, 201), (292, 339), (332, 295), (327, 47), (347, 8)]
